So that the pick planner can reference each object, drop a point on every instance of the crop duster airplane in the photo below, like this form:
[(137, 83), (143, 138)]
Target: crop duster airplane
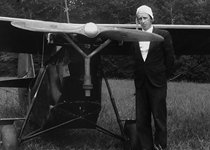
[(75, 100)]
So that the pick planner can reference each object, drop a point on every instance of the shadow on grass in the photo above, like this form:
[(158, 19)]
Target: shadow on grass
[(81, 139)]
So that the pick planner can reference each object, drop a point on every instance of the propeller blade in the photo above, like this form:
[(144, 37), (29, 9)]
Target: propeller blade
[(90, 30), (47, 26), (122, 34)]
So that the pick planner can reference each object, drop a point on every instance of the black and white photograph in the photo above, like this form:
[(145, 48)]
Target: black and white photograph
[(105, 75)]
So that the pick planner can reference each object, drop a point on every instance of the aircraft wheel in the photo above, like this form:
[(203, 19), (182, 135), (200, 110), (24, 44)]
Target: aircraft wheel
[(9, 137)]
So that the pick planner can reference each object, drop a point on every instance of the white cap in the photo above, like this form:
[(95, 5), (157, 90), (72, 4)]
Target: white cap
[(145, 9)]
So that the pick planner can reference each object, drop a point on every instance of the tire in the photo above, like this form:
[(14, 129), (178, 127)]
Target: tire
[(9, 137)]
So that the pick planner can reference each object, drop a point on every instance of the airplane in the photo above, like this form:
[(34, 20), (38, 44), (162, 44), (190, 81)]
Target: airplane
[(74, 101), (77, 101)]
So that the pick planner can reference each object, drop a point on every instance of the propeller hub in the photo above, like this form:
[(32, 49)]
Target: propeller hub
[(91, 30)]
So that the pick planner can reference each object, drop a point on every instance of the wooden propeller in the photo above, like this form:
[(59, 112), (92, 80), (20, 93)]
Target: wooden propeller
[(90, 30)]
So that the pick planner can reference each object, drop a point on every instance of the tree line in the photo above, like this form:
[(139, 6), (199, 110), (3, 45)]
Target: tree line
[(106, 11), (193, 68)]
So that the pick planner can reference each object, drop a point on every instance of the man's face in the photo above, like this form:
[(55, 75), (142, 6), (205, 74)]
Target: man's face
[(144, 20)]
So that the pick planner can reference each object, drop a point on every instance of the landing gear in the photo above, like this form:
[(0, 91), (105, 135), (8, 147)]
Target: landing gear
[(9, 137)]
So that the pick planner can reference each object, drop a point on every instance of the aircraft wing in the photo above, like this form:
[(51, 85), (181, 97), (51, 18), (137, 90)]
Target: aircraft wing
[(16, 82), (17, 40), (26, 36), (187, 39)]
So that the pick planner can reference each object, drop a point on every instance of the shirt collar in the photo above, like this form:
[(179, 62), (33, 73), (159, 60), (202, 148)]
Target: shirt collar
[(149, 30)]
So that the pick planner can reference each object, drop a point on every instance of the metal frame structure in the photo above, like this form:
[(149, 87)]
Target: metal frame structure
[(87, 86)]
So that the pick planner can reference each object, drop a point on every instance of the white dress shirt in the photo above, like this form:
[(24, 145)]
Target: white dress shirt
[(144, 45)]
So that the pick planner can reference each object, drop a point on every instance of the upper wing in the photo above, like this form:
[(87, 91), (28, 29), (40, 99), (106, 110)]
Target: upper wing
[(27, 36), (187, 39), (17, 40)]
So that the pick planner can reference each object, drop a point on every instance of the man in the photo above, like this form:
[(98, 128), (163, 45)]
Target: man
[(153, 63)]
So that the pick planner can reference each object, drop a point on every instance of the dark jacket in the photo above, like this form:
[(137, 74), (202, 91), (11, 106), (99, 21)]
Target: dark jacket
[(159, 62)]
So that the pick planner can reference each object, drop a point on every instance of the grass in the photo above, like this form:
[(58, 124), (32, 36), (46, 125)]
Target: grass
[(188, 119), (188, 116)]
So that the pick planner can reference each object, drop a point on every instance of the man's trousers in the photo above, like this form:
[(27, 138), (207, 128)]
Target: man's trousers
[(151, 101)]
